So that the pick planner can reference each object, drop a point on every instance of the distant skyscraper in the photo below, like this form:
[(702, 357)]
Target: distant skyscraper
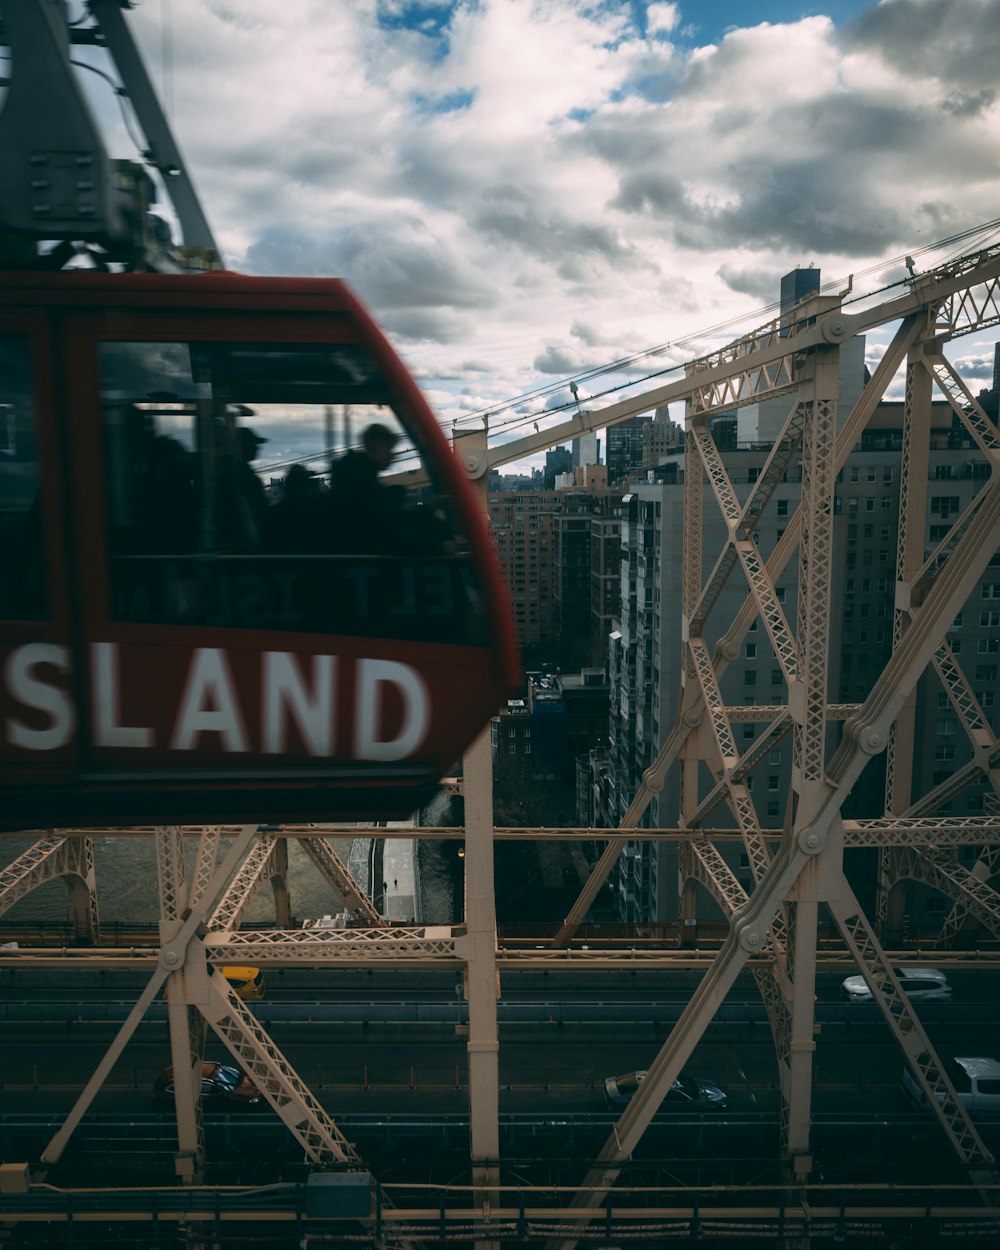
[(624, 446), (795, 286), (558, 460), (585, 450)]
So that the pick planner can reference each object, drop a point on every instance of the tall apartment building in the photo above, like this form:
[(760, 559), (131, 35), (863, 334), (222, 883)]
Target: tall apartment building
[(646, 640), (586, 450), (661, 437), (522, 524), (580, 523), (623, 447), (557, 460), (558, 551)]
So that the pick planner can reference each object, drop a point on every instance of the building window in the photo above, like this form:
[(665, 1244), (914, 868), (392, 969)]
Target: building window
[(750, 651)]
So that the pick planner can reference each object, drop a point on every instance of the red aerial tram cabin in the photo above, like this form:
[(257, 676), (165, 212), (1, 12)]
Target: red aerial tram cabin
[(198, 620)]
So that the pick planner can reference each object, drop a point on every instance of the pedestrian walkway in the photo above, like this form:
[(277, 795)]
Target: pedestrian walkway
[(398, 899)]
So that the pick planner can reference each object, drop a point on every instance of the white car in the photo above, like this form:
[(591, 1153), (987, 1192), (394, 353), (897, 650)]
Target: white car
[(976, 1083), (922, 985)]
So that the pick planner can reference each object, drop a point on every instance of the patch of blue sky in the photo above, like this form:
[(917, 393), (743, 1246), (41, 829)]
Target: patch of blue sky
[(453, 102), (701, 22), (422, 15)]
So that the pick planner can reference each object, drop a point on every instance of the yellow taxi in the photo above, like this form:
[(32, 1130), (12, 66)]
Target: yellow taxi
[(246, 980)]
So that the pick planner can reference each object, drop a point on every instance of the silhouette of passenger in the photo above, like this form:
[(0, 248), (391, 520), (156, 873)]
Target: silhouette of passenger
[(296, 519), (251, 497), (366, 515), (169, 498)]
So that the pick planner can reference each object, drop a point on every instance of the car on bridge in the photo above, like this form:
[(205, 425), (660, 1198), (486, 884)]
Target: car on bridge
[(219, 1083), (976, 1082), (246, 980), (920, 985), (688, 1093)]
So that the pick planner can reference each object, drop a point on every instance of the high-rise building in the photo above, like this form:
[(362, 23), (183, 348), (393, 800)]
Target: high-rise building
[(557, 461), (577, 525), (624, 445), (559, 554), (522, 524), (660, 438), (585, 450)]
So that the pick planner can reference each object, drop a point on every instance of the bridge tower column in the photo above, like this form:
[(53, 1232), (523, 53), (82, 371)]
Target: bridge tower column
[(482, 985), (808, 705), (78, 869), (914, 474)]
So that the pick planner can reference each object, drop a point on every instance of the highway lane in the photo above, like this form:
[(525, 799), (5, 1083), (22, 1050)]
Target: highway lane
[(319, 984), (385, 1064), (376, 1076)]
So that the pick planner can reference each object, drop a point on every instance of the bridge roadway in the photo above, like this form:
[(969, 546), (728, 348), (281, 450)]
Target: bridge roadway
[(391, 1071), (362, 1045)]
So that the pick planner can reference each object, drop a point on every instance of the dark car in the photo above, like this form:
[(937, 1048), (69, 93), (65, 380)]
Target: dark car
[(219, 1083), (689, 1093)]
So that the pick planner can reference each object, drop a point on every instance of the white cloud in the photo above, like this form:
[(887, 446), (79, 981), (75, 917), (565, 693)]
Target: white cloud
[(661, 19), (516, 184)]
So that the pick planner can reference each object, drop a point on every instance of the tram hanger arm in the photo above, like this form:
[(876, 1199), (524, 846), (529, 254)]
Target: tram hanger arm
[(61, 184), (163, 150)]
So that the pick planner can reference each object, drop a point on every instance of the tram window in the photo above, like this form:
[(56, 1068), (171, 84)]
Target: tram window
[(22, 563), (233, 492)]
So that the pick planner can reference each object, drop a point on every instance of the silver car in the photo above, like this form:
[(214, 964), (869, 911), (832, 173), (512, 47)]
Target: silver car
[(976, 1083), (689, 1093), (921, 985)]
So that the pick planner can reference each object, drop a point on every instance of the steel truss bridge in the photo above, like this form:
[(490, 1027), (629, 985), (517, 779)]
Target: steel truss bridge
[(798, 873)]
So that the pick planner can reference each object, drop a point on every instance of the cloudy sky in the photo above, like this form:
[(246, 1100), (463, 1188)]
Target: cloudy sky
[(524, 191)]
